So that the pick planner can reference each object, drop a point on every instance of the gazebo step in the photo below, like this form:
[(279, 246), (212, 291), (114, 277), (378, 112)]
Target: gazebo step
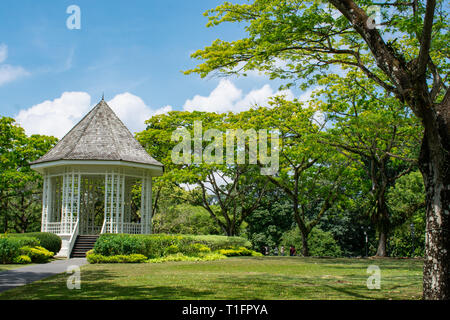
[(83, 244)]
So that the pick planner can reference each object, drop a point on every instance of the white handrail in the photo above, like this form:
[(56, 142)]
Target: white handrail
[(103, 226), (72, 239)]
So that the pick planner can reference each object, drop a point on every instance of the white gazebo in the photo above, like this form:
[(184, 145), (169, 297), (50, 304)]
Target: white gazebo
[(92, 180)]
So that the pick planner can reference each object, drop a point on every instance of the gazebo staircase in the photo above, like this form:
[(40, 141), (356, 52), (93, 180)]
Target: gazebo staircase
[(83, 244)]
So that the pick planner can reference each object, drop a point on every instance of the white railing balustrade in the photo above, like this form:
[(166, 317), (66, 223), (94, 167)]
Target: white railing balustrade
[(53, 227)]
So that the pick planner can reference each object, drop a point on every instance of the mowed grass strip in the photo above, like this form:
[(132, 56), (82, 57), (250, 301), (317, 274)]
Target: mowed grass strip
[(268, 278)]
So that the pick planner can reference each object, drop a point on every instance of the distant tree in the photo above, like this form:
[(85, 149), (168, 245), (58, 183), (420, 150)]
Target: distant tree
[(270, 220), (311, 175), (228, 191), (20, 186), (376, 132)]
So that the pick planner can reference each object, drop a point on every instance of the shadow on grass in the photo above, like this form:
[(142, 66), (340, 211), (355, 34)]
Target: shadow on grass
[(99, 284)]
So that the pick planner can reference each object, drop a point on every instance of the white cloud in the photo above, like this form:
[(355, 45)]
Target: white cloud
[(9, 73), (227, 97), (132, 110), (56, 117)]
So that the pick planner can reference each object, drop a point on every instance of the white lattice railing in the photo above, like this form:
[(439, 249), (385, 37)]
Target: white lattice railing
[(132, 228), (66, 226), (53, 227), (128, 227)]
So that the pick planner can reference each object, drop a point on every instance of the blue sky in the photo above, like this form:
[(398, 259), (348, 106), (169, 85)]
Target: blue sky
[(133, 51)]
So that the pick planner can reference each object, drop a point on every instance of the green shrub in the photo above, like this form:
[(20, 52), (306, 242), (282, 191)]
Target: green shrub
[(182, 257), (215, 242), (25, 241), (37, 254), (9, 249), (118, 244), (49, 241), (236, 252), (172, 249), (131, 258), (22, 259), (160, 245)]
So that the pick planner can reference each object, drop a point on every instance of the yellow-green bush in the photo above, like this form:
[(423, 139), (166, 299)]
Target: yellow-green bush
[(182, 257), (37, 254), (22, 259), (241, 251), (131, 258)]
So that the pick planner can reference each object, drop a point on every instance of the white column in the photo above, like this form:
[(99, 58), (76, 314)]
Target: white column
[(150, 208), (72, 195), (146, 204), (112, 203), (64, 204), (106, 199), (122, 203), (44, 218), (143, 203)]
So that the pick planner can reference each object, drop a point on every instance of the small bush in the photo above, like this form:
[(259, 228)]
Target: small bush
[(9, 249), (172, 249), (236, 252), (49, 241), (22, 259), (37, 254)]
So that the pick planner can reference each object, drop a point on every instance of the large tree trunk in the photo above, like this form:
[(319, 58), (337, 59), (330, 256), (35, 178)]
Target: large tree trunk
[(305, 248), (434, 164), (381, 250), (383, 227)]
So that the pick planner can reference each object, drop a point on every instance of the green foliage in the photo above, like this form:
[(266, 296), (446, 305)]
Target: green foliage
[(215, 242), (321, 243), (37, 254), (118, 244), (244, 185), (19, 209), (9, 249), (182, 218), (49, 241), (160, 245), (24, 240), (266, 225), (131, 258)]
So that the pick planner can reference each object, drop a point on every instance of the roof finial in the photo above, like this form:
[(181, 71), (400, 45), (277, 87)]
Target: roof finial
[(103, 96)]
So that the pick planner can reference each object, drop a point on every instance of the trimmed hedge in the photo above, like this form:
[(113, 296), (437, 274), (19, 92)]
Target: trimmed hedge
[(131, 258), (49, 241), (161, 245), (182, 257)]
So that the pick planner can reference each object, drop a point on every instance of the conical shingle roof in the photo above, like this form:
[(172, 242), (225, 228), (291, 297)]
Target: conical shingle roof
[(100, 135)]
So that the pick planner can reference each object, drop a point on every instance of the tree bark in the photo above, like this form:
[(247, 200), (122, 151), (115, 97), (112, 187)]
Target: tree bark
[(382, 239), (305, 248), (434, 162)]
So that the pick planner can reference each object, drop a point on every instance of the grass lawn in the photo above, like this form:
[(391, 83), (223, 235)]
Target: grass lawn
[(235, 278)]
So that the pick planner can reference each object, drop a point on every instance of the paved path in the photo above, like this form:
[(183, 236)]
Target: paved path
[(24, 275)]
